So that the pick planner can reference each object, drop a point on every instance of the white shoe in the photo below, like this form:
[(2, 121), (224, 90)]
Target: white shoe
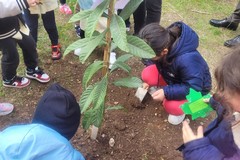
[(77, 51), (175, 120), (5, 108), (112, 59)]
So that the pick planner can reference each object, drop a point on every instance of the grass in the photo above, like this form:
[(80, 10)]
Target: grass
[(197, 13)]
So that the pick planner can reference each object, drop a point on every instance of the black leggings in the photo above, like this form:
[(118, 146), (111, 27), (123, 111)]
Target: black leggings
[(149, 11), (48, 22), (62, 1), (10, 57)]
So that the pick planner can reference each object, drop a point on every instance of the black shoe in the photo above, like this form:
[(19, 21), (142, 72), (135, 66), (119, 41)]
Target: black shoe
[(232, 42), (224, 23), (80, 33)]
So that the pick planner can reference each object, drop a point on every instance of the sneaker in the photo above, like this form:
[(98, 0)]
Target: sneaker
[(175, 120), (17, 82), (56, 52), (5, 108), (37, 74), (80, 33), (65, 9), (128, 27)]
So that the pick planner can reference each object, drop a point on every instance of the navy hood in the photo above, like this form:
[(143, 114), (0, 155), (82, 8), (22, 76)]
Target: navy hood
[(187, 42), (59, 110)]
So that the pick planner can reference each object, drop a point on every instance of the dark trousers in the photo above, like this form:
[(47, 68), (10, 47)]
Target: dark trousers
[(149, 11), (235, 16), (10, 57), (48, 23)]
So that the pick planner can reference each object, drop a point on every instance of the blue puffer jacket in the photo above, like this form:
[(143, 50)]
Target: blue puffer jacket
[(187, 67), (35, 142), (218, 142)]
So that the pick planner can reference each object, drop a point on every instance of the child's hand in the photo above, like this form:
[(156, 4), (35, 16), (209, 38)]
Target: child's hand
[(145, 86), (188, 134), (158, 95), (206, 100), (32, 3)]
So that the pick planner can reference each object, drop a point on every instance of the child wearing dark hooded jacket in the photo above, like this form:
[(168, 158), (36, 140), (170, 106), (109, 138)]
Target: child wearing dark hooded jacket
[(55, 121), (177, 67), (218, 142)]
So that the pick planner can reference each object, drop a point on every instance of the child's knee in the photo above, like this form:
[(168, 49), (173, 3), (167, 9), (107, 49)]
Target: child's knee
[(173, 107), (150, 75)]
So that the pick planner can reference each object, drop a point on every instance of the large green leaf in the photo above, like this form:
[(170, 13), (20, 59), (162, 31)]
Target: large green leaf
[(80, 15), (130, 8), (139, 47), (122, 65), (122, 58), (94, 17), (87, 46), (118, 32), (130, 82), (90, 71), (87, 119), (87, 98), (100, 92), (97, 117)]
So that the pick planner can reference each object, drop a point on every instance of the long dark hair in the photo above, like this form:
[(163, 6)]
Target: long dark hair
[(158, 37)]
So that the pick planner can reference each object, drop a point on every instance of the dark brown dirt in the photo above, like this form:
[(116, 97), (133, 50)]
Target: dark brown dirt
[(140, 131)]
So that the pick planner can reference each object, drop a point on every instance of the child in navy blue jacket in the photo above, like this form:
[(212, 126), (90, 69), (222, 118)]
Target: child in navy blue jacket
[(217, 142), (177, 67)]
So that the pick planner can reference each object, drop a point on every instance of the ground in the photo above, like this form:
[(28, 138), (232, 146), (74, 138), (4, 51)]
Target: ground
[(140, 131)]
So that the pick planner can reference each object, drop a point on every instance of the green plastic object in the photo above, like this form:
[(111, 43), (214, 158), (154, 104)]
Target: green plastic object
[(196, 106)]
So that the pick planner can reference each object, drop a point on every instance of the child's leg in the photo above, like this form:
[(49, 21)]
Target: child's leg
[(139, 17), (28, 47), (80, 33), (32, 22), (30, 57), (62, 1), (152, 77), (173, 106), (10, 58), (50, 26), (154, 9)]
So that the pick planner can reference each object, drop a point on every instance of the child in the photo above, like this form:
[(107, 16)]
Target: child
[(12, 32), (55, 121), (177, 67), (46, 9), (217, 142), (92, 4)]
